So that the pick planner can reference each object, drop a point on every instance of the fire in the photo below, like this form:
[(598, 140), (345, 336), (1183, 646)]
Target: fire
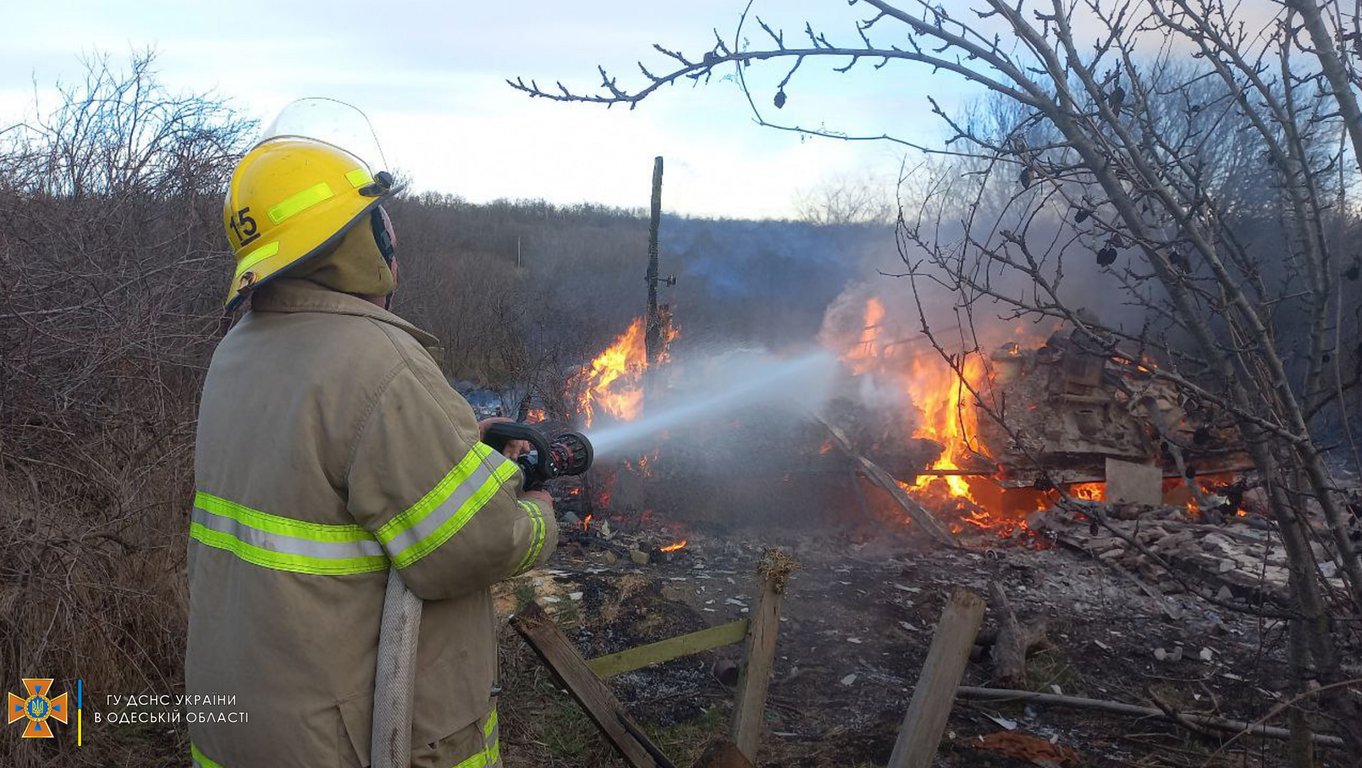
[(943, 394), (613, 383), (867, 351), (586, 523), (674, 547), (534, 415), (948, 416), (1088, 491)]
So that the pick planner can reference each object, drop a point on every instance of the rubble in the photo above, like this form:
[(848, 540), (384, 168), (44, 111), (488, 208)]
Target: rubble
[(1170, 551)]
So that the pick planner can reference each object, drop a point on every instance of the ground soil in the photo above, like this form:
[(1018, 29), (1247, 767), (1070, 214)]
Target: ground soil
[(857, 623)]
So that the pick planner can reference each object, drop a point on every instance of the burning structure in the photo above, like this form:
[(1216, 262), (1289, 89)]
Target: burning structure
[(998, 434)]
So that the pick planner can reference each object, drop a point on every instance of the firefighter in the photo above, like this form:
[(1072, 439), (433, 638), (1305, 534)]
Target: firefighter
[(330, 449)]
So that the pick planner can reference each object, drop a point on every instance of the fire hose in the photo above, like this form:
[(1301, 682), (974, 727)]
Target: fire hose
[(395, 673)]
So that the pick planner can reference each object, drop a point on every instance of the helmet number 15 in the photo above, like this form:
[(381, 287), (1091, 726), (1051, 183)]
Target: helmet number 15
[(243, 226)]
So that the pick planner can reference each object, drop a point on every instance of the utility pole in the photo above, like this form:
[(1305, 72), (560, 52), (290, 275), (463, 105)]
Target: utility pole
[(653, 333)]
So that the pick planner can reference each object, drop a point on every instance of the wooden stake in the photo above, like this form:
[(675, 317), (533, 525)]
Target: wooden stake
[(749, 711), (593, 695), (941, 674)]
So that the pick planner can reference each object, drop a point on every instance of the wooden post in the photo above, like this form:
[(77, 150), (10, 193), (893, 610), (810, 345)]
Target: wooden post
[(652, 333), (941, 674), (593, 695), (749, 710)]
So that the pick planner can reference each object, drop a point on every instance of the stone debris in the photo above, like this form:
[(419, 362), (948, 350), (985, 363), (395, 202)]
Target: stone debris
[(1163, 654), (1236, 562)]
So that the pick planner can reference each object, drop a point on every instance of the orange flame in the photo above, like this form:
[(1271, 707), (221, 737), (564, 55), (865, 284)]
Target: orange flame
[(944, 396), (1088, 491), (534, 415), (613, 383), (865, 354), (673, 547), (948, 416)]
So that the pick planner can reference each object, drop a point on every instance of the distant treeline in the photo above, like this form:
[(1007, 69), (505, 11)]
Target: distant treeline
[(512, 286)]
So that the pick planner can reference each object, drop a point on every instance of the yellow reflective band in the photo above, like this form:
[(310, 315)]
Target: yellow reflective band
[(281, 543), (297, 203), (490, 756), (358, 177), (491, 724), (479, 760), (537, 534), (447, 507), (255, 257), (199, 760)]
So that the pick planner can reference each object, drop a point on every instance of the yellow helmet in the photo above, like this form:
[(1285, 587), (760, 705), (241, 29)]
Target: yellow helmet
[(292, 198)]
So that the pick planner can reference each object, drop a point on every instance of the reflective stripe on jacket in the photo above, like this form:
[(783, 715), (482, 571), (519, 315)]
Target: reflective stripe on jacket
[(329, 446)]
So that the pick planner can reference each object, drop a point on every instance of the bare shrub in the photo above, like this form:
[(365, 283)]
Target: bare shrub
[(111, 280)]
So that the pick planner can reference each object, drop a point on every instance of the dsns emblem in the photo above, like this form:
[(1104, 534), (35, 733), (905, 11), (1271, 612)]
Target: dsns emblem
[(36, 708)]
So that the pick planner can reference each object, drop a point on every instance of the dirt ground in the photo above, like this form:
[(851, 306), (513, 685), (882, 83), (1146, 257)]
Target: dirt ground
[(857, 622)]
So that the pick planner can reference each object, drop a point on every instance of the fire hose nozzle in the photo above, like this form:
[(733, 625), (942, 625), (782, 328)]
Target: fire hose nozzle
[(567, 454)]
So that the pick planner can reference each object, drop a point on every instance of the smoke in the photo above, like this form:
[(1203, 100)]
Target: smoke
[(720, 385)]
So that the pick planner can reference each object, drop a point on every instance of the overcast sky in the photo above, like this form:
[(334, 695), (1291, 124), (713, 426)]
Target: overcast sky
[(431, 77)]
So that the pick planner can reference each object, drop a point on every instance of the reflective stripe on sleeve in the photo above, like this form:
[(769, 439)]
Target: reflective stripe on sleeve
[(448, 507), (537, 538), (283, 544)]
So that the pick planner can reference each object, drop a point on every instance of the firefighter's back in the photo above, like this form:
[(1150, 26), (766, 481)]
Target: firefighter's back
[(286, 589)]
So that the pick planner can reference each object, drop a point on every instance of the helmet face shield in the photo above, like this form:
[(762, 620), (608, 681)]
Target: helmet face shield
[(334, 122)]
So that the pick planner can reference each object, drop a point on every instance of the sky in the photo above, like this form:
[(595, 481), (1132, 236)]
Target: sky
[(431, 77)]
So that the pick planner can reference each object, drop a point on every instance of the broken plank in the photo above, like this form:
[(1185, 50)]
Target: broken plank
[(934, 694), (666, 650), (876, 474), (590, 692)]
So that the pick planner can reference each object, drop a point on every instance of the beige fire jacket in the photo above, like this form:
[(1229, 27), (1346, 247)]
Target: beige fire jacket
[(329, 447)]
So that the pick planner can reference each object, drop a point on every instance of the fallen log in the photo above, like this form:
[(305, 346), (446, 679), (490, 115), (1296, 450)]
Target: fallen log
[(1015, 640), (1077, 702), (876, 474)]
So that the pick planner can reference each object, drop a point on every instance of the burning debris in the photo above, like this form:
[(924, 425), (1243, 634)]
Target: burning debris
[(987, 439)]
